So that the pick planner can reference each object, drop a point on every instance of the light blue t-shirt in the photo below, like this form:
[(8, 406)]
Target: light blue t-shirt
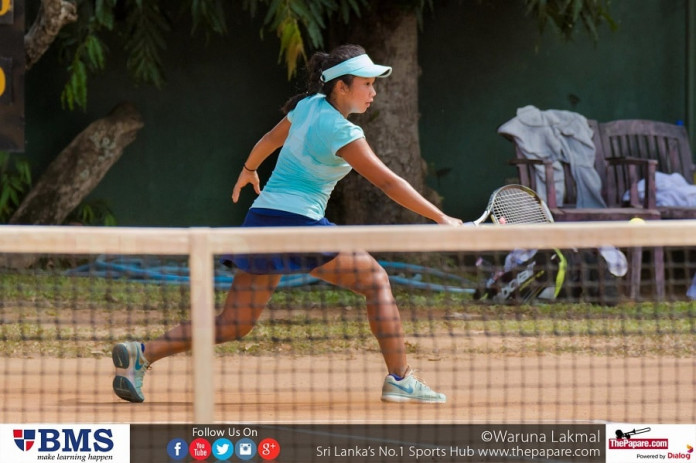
[(308, 168)]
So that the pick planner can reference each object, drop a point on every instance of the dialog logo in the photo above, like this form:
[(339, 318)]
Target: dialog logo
[(223, 449), (24, 438), (177, 449)]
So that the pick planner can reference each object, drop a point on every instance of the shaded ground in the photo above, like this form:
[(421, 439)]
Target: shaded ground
[(346, 388)]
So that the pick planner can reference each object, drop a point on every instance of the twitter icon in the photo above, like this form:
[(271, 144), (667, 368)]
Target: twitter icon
[(223, 449)]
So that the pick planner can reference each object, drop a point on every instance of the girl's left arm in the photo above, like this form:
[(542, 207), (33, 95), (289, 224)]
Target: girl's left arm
[(365, 162)]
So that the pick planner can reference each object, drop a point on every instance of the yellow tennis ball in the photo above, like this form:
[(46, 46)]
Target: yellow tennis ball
[(636, 220)]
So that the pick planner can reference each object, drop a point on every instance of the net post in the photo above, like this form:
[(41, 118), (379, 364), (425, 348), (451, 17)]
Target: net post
[(202, 325)]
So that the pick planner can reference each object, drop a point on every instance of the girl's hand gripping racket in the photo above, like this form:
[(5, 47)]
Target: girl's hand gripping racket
[(514, 204)]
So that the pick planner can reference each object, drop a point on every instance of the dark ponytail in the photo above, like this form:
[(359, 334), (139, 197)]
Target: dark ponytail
[(318, 63)]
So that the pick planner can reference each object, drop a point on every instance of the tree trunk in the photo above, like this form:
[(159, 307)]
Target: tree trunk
[(391, 124), (79, 168), (52, 16)]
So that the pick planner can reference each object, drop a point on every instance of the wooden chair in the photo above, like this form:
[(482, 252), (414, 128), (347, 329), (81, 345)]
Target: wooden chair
[(618, 174), (666, 144)]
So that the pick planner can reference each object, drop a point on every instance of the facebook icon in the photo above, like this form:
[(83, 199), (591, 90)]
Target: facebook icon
[(177, 449)]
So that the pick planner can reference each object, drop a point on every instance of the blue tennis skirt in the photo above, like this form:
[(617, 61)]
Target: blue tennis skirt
[(267, 264)]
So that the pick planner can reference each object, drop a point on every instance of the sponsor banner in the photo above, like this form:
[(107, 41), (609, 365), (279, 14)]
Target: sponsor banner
[(61, 442), (632, 442), (121, 443), (367, 443)]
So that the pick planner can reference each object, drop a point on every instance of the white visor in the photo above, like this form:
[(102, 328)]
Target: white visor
[(361, 66)]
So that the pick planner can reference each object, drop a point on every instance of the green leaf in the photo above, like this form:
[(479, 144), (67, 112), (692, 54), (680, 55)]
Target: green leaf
[(274, 11), (146, 42), (14, 198), (210, 15), (95, 52), (565, 15), (79, 83), (75, 91), (110, 220), (15, 181), (291, 45), (92, 213), (104, 13), (577, 9), (4, 198)]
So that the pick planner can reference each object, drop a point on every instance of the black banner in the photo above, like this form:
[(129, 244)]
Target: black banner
[(368, 443), (6, 12), (12, 75)]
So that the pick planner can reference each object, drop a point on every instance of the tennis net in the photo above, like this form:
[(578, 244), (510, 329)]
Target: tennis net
[(515, 324)]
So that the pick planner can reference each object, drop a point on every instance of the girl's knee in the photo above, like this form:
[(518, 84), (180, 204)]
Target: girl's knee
[(377, 280)]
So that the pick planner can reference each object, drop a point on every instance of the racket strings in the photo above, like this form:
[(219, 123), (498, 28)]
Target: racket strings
[(517, 206)]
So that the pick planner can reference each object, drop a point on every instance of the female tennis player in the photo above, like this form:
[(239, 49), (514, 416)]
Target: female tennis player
[(319, 147)]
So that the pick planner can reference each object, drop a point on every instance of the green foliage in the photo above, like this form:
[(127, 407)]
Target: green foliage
[(299, 25), (293, 20), (89, 56), (146, 25), (209, 15), (15, 182), (95, 212), (142, 27), (104, 13), (291, 44), (564, 15), (82, 47)]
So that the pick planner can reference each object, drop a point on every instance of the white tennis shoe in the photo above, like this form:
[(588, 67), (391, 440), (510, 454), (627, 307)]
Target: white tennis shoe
[(130, 368), (409, 389)]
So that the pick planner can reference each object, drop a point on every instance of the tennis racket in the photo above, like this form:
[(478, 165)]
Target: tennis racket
[(514, 204)]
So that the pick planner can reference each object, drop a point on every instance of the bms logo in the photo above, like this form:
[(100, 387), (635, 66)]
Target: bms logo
[(24, 438), (65, 440)]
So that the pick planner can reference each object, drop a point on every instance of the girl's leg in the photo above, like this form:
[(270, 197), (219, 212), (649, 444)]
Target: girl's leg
[(244, 304), (246, 300), (362, 274)]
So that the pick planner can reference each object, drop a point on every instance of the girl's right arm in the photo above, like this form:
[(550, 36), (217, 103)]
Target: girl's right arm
[(365, 162), (270, 142)]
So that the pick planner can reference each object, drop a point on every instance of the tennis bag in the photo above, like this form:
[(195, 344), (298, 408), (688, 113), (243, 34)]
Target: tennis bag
[(527, 275), (544, 276)]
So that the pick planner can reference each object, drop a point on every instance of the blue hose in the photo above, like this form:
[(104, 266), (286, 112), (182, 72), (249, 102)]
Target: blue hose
[(138, 269)]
